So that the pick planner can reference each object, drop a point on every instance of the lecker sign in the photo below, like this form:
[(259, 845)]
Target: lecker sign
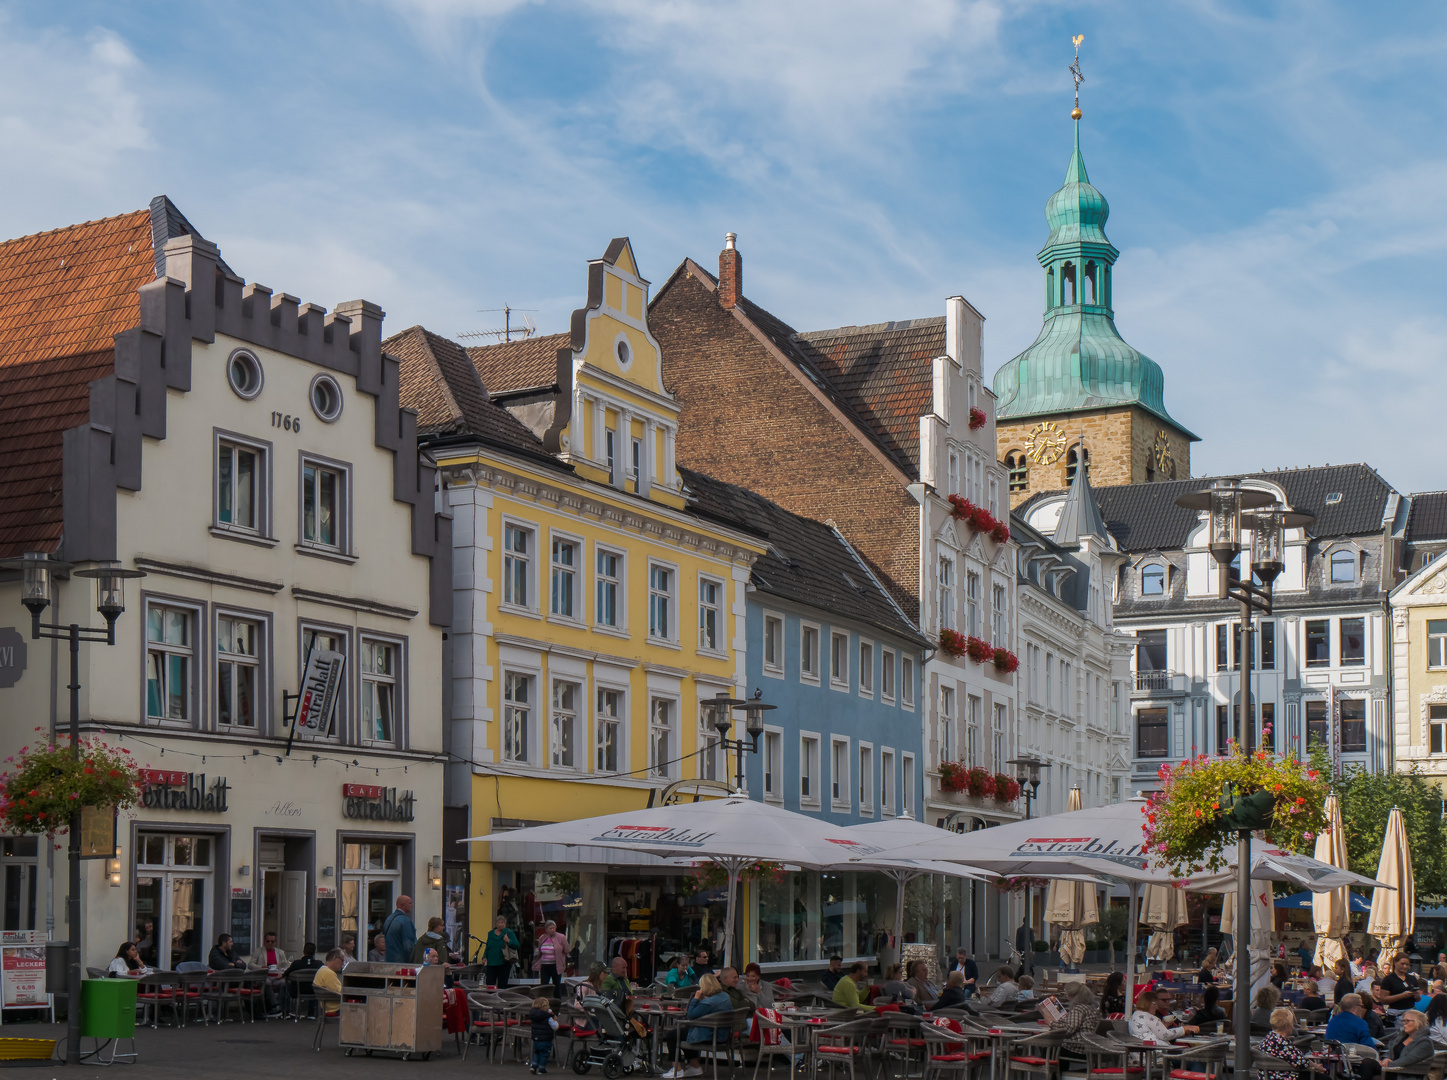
[(161, 790), (377, 803)]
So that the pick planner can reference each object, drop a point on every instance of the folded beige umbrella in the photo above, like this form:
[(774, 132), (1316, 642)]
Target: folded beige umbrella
[(1165, 909), (1329, 910), (1070, 906), (1394, 910)]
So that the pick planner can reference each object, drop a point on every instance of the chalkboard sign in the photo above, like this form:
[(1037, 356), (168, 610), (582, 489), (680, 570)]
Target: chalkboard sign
[(241, 924), (326, 924)]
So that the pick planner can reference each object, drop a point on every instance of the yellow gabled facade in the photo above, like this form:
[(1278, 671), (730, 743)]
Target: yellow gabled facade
[(593, 611)]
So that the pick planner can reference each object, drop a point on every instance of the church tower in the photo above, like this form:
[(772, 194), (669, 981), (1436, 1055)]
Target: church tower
[(1080, 393)]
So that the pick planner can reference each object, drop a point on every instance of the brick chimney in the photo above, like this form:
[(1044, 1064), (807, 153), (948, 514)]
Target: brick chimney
[(730, 273)]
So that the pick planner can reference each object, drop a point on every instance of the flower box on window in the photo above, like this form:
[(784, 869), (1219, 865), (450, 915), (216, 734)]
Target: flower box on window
[(979, 519), (953, 643), (977, 419)]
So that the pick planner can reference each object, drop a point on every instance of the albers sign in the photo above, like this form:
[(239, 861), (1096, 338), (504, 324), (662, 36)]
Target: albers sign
[(162, 790), (377, 803)]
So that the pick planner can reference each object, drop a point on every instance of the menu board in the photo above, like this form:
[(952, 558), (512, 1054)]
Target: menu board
[(326, 924), (22, 973), (241, 921)]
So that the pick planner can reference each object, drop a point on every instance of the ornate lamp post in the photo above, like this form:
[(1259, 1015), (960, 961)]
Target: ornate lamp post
[(1027, 771), (1232, 508), (720, 712), (110, 600)]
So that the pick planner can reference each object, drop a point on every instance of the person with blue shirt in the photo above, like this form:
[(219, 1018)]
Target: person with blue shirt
[(711, 997), (1348, 1026), (680, 974), (400, 932)]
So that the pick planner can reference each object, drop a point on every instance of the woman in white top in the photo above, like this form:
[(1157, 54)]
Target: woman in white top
[(127, 963), (1145, 1025)]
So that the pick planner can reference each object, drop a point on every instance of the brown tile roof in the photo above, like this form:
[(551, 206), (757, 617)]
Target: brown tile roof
[(519, 365), (885, 373)]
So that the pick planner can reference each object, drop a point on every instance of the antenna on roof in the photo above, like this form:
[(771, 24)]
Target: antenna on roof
[(525, 329)]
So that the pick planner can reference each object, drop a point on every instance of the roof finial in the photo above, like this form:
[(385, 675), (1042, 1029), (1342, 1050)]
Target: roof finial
[(1077, 75)]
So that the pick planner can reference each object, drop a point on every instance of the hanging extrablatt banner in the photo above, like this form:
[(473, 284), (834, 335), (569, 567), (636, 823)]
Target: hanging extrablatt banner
[(319, 688)]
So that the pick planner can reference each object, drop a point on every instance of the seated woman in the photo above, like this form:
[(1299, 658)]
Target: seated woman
[(708, 999), (925, 994), (1207, 974), (127, 963), (1278, 1044), (1278, 974), (894, 987), (680, 974), (1267, 999), (954, 995), (1112, 998), (759, 992), (1412, 1045), (593, 984), (1027, 989), (1081, 1017), (1210, 1011), (1311, 999)]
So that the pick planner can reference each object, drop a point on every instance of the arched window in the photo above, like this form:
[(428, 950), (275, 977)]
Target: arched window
[(1019, 470), (1067, 284), (1050, 287), (1087, 284), (1153, 580), (1077, 454), (1343, 567)]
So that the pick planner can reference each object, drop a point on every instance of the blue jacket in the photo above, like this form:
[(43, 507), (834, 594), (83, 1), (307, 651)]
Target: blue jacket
[(401, 937), (1348, 1027), (703, 1007)]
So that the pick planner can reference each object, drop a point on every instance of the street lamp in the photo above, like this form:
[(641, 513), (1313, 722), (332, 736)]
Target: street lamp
[(1231, 509), (37, 572), (720, 709), (1027, 771)]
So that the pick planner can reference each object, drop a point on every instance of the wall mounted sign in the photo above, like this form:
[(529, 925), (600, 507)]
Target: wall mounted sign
[(12, 656), (319, 685), (377, 803), (162, 790)]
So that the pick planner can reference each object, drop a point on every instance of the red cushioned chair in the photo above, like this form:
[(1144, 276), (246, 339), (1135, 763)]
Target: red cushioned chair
[(1037, 1057), (1109, 1060)]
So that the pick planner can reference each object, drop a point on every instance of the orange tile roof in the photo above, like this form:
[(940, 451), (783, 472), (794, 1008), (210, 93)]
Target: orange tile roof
[(518, 365)]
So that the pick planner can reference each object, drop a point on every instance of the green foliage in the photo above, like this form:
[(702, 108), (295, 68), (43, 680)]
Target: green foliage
[(1114, 921), (47, 783)]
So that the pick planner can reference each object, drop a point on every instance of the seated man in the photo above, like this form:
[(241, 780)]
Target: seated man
[(307, 961), (846, 990), (273, 961), (328, 977), (223, 957), (833, 973), (616, 986), (1145, 1025)]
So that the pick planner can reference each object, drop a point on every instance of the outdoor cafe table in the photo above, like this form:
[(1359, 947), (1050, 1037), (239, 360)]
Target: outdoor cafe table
[(999, 1035), (660, 1016)]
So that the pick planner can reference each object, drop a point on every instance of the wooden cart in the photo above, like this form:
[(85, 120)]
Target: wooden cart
[(394, 1007)]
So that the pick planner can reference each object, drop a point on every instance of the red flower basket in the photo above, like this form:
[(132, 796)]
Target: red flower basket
[(1000, 533), (1007, 788), (953, 776), (980, 783), (979, 650), (978, 518), (1005, 660), (953, 643), (977, 419)]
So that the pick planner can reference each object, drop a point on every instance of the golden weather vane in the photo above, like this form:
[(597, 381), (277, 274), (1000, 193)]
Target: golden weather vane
[(1077, 75)]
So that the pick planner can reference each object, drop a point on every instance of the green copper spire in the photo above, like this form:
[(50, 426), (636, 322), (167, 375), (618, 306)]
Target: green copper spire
[(1079, 361)]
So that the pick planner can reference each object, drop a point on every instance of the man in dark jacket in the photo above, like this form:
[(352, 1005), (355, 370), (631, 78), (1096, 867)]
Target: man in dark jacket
[(433, 939), (401, 932), (223, 958), (1025, 946), (307, 961), (833, 973)]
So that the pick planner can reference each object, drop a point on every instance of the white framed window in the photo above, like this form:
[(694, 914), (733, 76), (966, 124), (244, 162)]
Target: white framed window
[(608, 608), (808, 653), (1437, 728), (866, 668), (238, 671), (947, 592), (886, 781), (1343, 567), (1153, 579), (999, 630), (839, 661), (972, 731), (906, 783), (773, 766), (635, 472), (809, 769), (994, 505), (954, 473), (710, 614), (564, 591), (662, 743), (839, 793), (661, 580), (325, 505), (170, 662), (519, 543), (607, 731), (773, 645), (1437, 643), (949, 731), (610, 454), (712, 763), (563, 729), (906, 681), (886, 674), (517, 714), (242, 498), (972, 603), (997, 737), (381, 689), (866, 778), (330, 639)]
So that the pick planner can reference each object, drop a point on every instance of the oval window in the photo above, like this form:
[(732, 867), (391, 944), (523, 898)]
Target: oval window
[(625, 354), (243, 372), (326, 397)]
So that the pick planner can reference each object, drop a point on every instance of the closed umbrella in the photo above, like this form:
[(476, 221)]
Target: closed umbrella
[(1394, 910), (1164, 908), (1329, 909), (1071, 906), (1263, 920)]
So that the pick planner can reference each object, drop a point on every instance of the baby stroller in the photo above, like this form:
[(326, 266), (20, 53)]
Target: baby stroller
[(622, 1044)]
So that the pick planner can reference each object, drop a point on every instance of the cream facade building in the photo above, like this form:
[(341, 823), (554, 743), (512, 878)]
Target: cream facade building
[(1419, 643)]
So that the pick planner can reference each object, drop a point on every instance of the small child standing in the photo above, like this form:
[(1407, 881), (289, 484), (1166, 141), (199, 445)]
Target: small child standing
[(545, 1024)]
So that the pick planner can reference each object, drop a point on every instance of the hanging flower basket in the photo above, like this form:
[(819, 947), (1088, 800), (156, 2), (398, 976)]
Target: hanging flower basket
[(979, 519), (953, 776), (711, 875), (953, 643), (1196, 815), (979, 650), (1020, 884), (1005, 660), (1007, 788), (45, 784), (977, 419), (980, 783), (1000, 533)]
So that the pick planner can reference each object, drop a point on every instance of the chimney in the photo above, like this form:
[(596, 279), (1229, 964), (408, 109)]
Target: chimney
[(730, 273)]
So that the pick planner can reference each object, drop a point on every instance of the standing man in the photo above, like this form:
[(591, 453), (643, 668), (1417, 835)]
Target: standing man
[(1025, 945), (400, 932), (499, 952)]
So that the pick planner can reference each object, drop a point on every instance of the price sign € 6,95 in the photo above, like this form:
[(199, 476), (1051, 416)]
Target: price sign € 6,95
[(319, 687)]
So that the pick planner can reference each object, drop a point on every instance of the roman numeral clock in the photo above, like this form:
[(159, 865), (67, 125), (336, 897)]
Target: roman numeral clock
[(1046, 443)]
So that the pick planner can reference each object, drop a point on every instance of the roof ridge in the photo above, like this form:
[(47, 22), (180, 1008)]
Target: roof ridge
[(517, 341), (77, 225), (874, 328)]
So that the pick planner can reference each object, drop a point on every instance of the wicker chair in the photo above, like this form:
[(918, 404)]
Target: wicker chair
[(325, 999), (847, 1045)]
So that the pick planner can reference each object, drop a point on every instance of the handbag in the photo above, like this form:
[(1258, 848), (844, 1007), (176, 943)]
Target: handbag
[(509, 954)]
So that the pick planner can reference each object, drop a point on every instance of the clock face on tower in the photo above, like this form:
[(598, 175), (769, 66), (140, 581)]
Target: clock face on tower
[(1045, 443), (1161, 456)]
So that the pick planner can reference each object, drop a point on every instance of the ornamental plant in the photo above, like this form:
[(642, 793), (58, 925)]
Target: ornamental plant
[(978, 518), (1000, 533), (1007, 788), (979, 783), (1005, 660), (711, 875), (1194, 817), (1020, 884), (979, 650), (953, 776), (953, 643), (977, 419), (45, 784)]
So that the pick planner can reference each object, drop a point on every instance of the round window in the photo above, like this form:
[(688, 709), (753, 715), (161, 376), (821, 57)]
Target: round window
[(326, 398), (243, 372), (625, 354)]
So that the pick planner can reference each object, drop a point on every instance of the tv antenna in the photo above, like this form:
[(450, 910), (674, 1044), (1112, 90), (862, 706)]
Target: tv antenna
[(526, 328)]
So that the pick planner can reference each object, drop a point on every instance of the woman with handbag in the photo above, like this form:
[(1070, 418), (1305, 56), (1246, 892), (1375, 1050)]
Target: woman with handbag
[(499, 953)]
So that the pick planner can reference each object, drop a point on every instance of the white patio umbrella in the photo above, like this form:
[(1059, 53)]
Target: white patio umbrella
[(1263, 919), (1164, 909), (1270, 863), (1394, 909), (1071, 906), (732, 832), (1329, 911)]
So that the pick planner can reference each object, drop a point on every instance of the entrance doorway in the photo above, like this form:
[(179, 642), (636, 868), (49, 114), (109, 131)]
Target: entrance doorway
[(173, 897), (371, 883), (282, 867)]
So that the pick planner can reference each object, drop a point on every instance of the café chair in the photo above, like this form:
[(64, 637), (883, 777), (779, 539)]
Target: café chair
[(1036, 1056), (844, 1046), (156, 991), (772, 1045), (324, 1000), (723, 1025)]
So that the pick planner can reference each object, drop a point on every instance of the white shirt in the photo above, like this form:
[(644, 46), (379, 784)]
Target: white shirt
[(120, 967), (1148, 1027)]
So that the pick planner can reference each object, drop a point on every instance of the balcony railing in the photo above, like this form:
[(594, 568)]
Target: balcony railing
[(1153, 680)]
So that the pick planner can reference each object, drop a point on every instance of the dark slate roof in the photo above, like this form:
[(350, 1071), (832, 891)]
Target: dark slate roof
[(1080, 516), (807, 562), (519, 365), (439, 381), (167, 223), (1145, 517), (1428, 517)]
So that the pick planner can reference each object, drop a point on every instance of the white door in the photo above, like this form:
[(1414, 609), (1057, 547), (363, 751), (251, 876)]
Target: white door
[(291, 914)]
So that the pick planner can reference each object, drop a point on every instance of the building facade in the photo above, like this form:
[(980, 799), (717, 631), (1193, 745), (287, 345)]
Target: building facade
[(1419, 642), (248, 453)]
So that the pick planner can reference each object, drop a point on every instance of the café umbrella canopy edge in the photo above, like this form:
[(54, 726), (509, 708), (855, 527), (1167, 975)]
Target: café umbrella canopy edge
[(1329, 910)]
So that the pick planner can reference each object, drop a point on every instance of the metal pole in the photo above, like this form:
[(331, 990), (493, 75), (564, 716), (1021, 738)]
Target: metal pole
[(72, 907), (1241, 1006)]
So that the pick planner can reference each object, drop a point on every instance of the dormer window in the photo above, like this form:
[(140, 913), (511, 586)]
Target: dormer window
[(1153, 580), (1343, 567)]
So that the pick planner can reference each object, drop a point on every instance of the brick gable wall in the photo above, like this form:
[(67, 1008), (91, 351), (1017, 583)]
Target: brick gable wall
[(747, 419)]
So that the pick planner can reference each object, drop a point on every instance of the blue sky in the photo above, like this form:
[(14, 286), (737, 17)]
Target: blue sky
[(1275, 171)]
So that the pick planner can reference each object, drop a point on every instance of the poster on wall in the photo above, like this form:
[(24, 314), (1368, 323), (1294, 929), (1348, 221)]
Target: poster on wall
[(22, 975)]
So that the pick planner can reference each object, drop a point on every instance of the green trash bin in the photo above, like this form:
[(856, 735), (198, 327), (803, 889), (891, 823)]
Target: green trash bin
[(108, 1008)]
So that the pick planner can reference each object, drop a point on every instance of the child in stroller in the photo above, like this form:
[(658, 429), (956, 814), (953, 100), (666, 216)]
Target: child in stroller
[(622, 1044)]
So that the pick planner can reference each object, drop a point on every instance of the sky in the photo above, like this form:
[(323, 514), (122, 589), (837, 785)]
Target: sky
[(1275, 172)]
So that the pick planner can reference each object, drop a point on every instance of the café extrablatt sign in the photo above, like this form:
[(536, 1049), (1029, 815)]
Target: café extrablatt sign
[(373, 803), (165, 790)]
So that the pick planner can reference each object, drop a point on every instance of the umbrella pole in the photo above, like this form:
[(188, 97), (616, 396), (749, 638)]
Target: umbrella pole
[(733, 869), (1241, 999), (1132, 910), (900, 881)]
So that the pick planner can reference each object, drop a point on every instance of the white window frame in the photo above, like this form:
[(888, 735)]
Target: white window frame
[(341, 717), (664, 599), (619, 585), (510, 742), (261, 694), (839, 656), (866, 668), (949, 725), (667, 769), (999, 616), (619, 723), (888, 681), (772, 763), (954, 472), (972, 603), (773, 668), (718, 609), (945, 592), (887, 794), (560, 719), (839, 752), (573, 572), (866, 779), (343, 545), (906, 783), (398, 682), (1436, 729), (195, 614), (974, 707), (1347, 557), (997, 736), (906, 682), (610, 454), (260, 483), (810, 768), (1439, 641), (509, 563), (708, 752), (810, 655)]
